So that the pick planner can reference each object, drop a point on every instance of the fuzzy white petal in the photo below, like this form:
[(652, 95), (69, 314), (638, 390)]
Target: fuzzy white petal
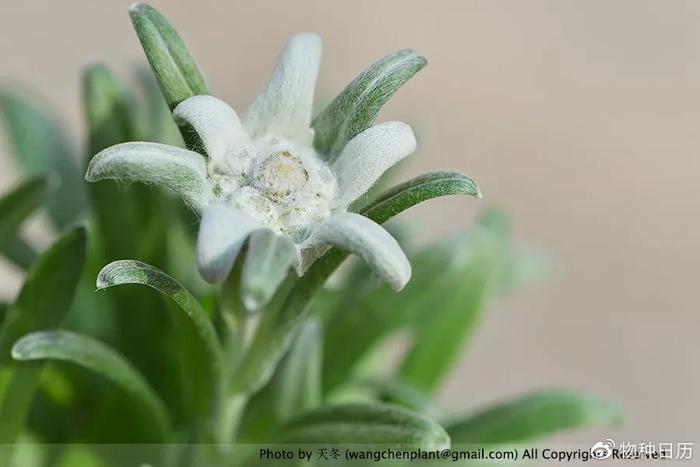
[(367, 239), (284, 108), (222, 232), (368, 155), (216, 123), (175, 168)]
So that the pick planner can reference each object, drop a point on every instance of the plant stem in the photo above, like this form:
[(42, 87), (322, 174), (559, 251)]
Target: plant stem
[(277, 327), (231, 413)]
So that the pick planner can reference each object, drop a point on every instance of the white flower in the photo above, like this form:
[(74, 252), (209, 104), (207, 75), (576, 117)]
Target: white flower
[(263, 173)]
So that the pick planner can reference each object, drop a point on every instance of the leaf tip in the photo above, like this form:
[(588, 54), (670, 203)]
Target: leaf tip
[(421, 61), (79, 235), (22, 349), (440, 440), (105, 278), (413, 54), (137, 8), (254, 298), (93, 173), (18, 351), (90, 173), (101, 284)]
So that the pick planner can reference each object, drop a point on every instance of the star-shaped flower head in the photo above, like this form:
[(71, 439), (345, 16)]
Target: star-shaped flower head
[(263, 173)]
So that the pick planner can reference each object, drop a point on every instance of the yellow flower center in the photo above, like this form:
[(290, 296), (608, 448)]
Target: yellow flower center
[(281, 176)]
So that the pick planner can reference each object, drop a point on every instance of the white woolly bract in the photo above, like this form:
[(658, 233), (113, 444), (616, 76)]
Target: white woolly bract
[(367, 239), (222, 232), (284, 108), (216, 123), (175, 168), (368, 155)]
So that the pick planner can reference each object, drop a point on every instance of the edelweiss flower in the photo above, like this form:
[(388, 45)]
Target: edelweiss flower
[(264, 173)]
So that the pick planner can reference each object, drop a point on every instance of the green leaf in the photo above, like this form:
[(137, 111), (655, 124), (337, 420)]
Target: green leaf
[(99, 358), (130, 221), (357, 106), (532, 417), (48, 290), (267, 263), (455, 312), (415, 191), (397, 392), (17, 205), (367, 423), (294, 389), (298, 380), (40, 146), (161, 127), (135, 272), (4, 306), (524, 267), (177, 73), (357, 327), (109, 112), (438, 271), (43, 302), (20, 253), (111, 119)]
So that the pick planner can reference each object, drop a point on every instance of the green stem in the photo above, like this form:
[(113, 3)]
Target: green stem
[(277, 327), (235, 320), (234, 315), (231, 414)]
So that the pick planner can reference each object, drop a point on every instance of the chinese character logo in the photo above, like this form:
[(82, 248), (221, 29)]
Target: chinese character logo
[(603, 450)]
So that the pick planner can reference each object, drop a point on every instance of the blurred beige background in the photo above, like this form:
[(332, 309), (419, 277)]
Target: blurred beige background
[(581, 118)]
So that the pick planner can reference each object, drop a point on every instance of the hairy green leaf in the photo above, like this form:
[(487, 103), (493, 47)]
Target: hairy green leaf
[(111, 119), (40, 146), (438, 271), (350, 338), (109, 112), (43, 302), (367, 423), (161, 127), (177, 73), (135, 272), (397, 392), (298, 380), (357, 106), (532, 417), (48, 290), (454, 312), (130, 221), (99, 358), (415, 191), (294, 389), (17, 205), (267, 263)]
